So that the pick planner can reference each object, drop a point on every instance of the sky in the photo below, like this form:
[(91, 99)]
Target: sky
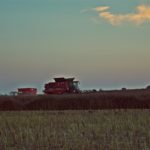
[(105, 44)]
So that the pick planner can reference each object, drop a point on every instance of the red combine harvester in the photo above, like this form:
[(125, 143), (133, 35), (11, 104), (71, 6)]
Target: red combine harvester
[(27, 91), (61, 86)]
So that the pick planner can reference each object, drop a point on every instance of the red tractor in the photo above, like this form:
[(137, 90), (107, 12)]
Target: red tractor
[(61, 86)]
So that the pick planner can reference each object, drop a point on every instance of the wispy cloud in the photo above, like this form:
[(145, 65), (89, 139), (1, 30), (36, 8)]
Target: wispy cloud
[(101, 8), (141, 15)]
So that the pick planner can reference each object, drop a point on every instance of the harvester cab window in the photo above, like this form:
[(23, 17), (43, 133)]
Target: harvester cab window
[(75, 85)]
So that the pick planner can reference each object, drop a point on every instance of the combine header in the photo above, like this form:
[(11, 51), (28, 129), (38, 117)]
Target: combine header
[(61, 86), (27, 91)]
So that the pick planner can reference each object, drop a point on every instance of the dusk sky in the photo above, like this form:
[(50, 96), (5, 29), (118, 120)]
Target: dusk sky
[(103, 43)]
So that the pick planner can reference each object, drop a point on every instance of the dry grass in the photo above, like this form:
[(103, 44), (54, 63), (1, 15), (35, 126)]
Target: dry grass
[(75, 130)]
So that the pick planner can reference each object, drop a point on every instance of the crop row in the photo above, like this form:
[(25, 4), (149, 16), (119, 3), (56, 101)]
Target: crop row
[(99, 100)]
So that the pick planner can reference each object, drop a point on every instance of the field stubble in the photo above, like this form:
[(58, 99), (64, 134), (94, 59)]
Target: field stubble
[(75, 130)]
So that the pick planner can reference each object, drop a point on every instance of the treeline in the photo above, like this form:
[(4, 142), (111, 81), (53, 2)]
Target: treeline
[(99, 100)]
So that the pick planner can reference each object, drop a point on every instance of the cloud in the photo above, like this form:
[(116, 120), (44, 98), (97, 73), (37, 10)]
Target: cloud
[(98, 9), (101, 8), (142, 14)]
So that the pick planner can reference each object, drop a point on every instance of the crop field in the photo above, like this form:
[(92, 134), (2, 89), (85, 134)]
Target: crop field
[(139, 99), (75, 130)]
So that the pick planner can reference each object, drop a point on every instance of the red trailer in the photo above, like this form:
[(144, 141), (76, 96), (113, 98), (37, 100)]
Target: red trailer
[(27, 91), (61, 86)]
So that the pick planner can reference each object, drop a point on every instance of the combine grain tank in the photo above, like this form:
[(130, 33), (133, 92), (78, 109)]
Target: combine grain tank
[(27, 91), (61, 86)]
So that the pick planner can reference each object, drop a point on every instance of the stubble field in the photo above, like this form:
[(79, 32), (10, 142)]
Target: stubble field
[(75, 130)]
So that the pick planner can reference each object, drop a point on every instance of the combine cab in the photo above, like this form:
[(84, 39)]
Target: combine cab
[(61, 86)]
